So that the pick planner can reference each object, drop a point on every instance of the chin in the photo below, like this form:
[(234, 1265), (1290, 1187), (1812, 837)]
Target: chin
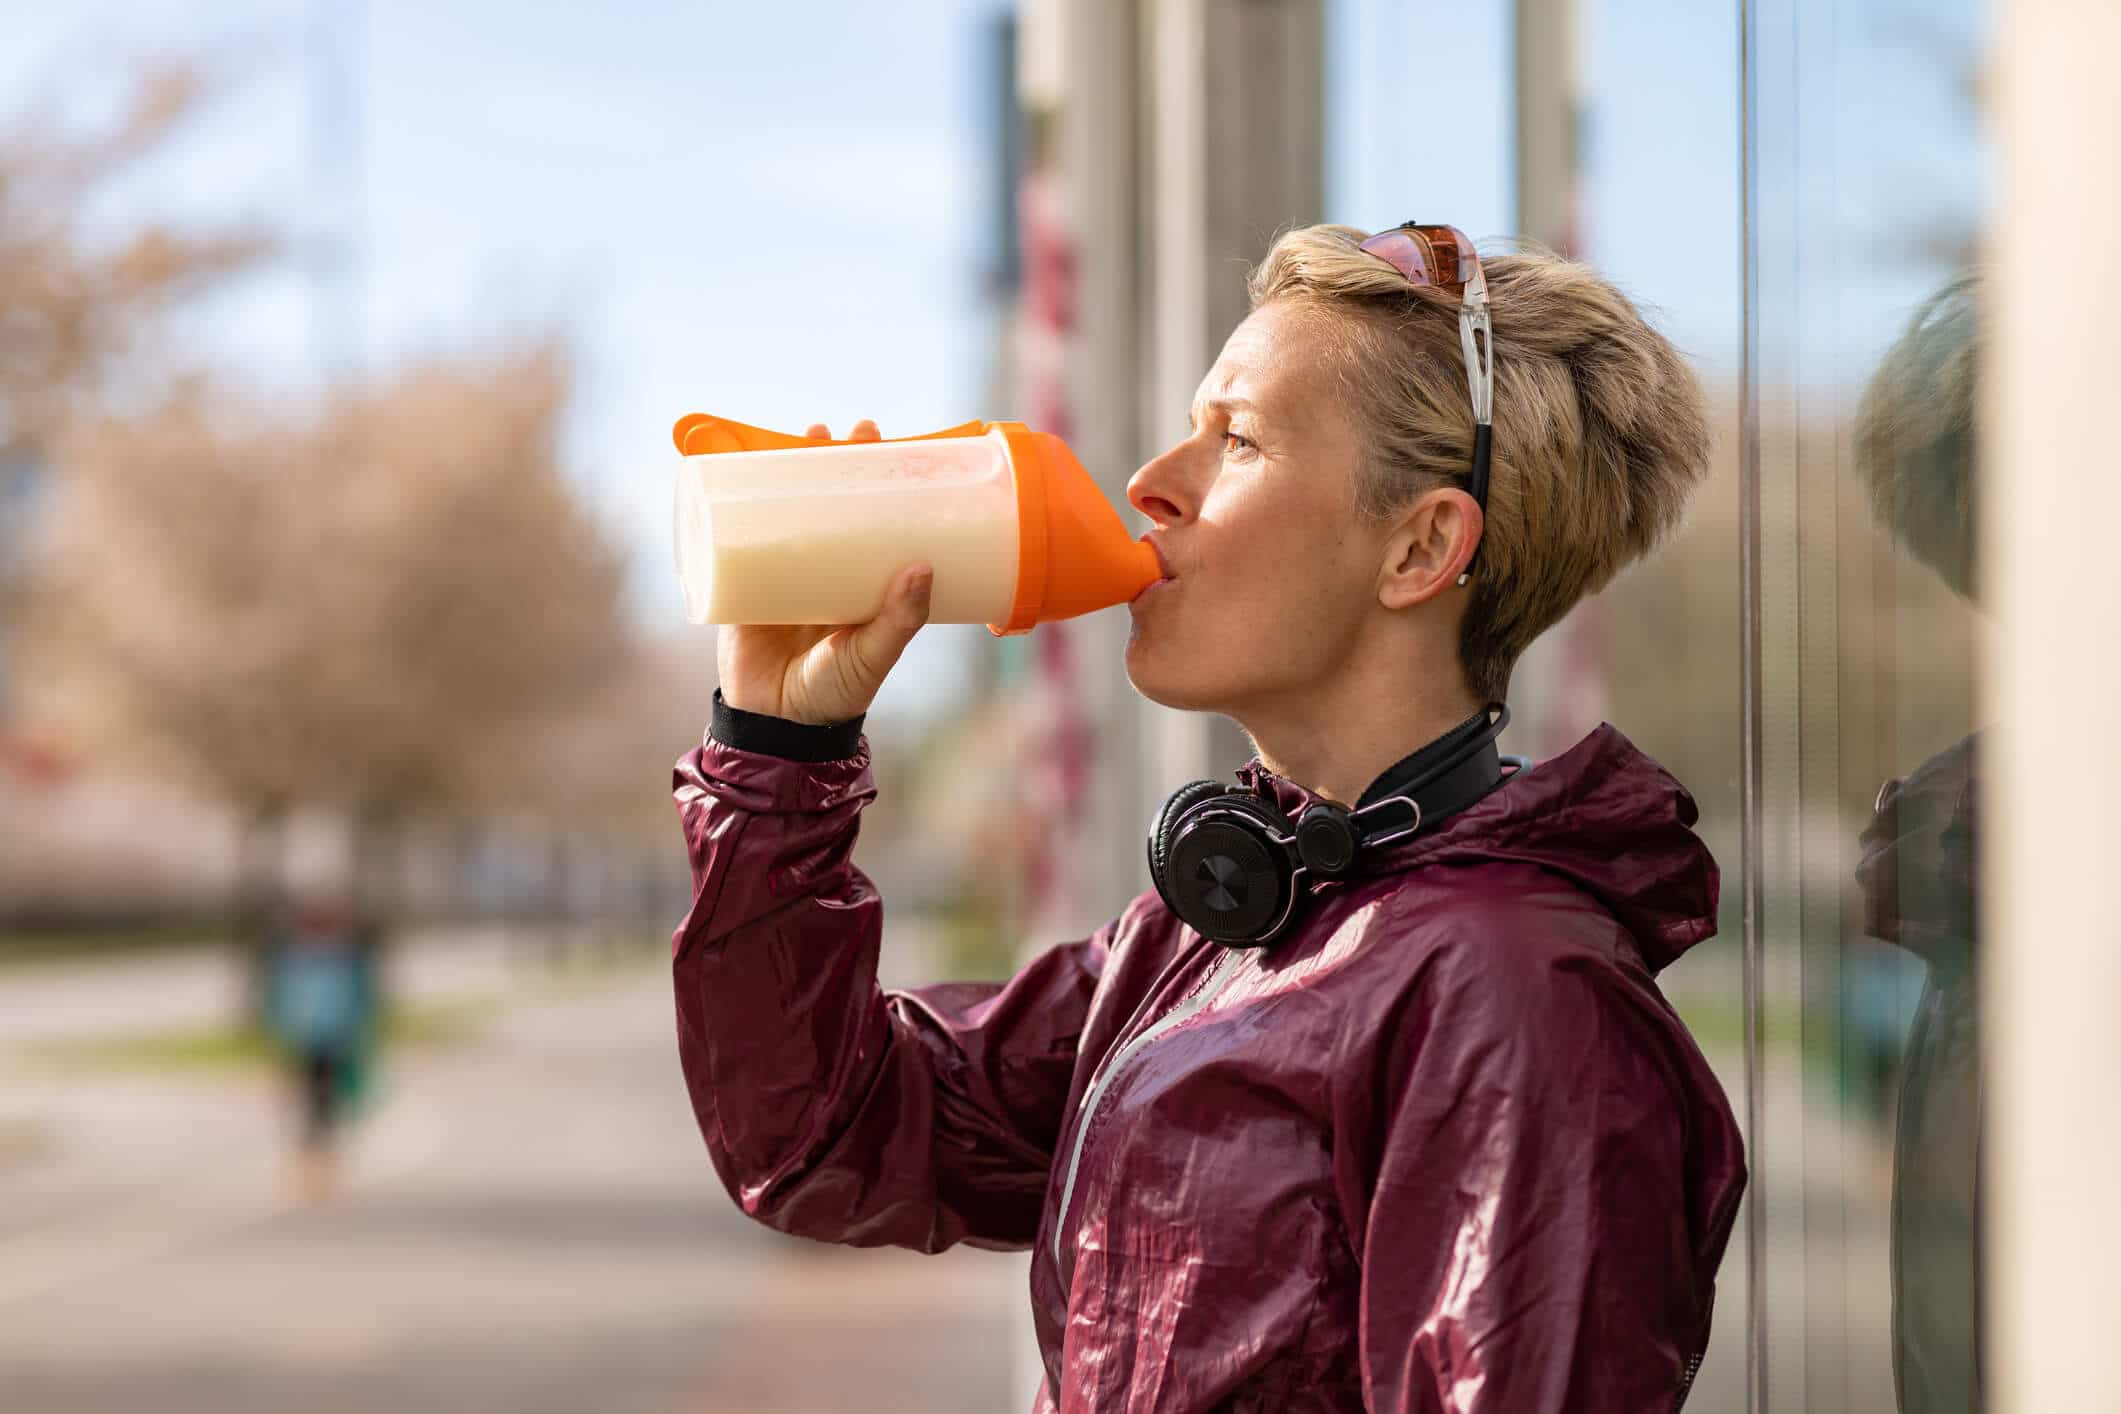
[(1158, 676)]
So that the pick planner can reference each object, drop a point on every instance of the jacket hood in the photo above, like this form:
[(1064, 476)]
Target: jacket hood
[(1917, 871), (1602, 815)]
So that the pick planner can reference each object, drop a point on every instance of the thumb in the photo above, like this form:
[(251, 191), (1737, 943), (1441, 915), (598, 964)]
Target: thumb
[(878, 643)]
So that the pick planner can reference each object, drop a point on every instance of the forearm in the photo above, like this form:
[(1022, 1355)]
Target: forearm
[(831, 1108), (782, 1028)]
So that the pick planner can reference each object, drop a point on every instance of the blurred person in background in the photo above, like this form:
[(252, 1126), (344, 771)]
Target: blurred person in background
[(1371, 1101), (322, 1005), (1915, 438)]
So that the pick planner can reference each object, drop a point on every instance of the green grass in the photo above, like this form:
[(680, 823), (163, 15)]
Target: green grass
[(974, 946), (49, 944), (236, 1048), (1718, 1023), (439, 1024)]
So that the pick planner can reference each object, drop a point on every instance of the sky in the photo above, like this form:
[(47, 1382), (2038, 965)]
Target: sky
[(734, 207), (772, 212), (1866, 135), (779, 212)]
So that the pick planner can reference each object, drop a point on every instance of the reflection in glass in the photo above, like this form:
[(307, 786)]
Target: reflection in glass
[(1914, 444)]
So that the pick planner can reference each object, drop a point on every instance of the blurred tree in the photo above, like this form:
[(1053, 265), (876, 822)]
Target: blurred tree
[(74, 308), (601, 772), (604, 764), (374, 608)]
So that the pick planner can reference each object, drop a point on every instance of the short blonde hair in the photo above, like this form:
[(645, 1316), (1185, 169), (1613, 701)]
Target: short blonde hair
[(1600, 434)]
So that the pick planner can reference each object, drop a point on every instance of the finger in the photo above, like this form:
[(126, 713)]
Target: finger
[(819, 431), (865, 431), (878, 643)]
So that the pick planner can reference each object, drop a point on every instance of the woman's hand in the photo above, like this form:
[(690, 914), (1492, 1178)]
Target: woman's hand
[(822, 673)]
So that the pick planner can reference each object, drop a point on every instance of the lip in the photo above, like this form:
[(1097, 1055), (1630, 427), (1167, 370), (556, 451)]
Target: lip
[(1163, 561), (1163, 564), (1147, 590)]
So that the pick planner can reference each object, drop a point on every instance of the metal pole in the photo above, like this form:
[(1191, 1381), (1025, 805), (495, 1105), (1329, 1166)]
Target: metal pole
[(1751, 865), (1556, 686), (1182, 332), (1236, 96), (1100, 140), (1548, 103)]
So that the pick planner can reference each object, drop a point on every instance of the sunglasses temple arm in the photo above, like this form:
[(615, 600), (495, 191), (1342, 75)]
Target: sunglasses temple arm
[(1483, 435), (1477, 337)]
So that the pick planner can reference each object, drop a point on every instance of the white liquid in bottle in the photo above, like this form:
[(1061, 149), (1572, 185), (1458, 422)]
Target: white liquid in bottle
[(813, 535)]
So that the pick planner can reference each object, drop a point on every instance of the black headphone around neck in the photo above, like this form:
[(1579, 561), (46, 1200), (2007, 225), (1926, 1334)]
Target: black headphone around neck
[(1232, 866)]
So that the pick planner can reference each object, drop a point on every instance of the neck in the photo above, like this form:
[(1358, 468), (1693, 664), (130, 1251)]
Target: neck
[(1335, 742)]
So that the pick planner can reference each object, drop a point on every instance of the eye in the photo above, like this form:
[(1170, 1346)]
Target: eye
[(1234, 443)]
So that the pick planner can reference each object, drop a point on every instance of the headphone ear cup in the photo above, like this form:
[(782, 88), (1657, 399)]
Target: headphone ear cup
[(1229, 876), (1165, 826)]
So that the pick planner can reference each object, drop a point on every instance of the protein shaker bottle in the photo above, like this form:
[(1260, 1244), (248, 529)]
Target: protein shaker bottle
[(776, 529)]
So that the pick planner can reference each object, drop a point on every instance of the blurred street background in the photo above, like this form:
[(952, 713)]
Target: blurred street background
[(339, 347), (525, 1223)]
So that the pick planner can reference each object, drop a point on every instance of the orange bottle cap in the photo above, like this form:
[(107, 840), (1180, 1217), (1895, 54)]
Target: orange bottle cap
[(1073, 554), (698, 433)]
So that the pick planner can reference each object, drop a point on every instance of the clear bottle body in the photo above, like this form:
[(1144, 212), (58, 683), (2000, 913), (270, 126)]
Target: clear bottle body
[(813, 535)]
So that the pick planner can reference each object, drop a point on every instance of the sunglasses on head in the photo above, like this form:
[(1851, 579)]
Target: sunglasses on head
[(1444, 259)]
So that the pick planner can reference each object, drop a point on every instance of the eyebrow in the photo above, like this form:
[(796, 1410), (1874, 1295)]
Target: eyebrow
[(1222, 405)]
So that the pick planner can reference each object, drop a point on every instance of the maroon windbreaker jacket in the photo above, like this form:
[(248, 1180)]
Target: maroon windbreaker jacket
[(1445, 1147)]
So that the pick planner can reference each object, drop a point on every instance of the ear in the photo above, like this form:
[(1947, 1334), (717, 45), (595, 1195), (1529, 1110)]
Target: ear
[(1428, 548)]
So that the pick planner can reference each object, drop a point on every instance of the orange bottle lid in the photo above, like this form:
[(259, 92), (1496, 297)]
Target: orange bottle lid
[(698, 433), (1073, 553)]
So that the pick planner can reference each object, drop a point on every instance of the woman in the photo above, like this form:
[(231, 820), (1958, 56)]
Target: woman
[(1438, 1143)]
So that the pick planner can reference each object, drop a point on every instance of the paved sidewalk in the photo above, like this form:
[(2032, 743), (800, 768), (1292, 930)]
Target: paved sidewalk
[(530, 1225)]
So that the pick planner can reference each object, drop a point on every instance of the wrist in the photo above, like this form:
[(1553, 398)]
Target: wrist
[(770, 735), (741, 701)]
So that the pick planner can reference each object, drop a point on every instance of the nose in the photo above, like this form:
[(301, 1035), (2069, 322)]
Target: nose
[(1163, 490)]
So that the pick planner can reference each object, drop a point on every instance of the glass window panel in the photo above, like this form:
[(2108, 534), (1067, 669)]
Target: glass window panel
[(1865, 140)]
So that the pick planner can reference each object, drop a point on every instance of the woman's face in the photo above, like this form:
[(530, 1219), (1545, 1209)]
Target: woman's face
[(1274, 575)]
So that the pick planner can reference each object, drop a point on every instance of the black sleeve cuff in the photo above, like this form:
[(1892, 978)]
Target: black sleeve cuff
[(777, 736)]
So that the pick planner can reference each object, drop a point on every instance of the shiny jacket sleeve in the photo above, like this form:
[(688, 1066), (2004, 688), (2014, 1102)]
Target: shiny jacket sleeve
[(831, 1108), (1511, 1158)]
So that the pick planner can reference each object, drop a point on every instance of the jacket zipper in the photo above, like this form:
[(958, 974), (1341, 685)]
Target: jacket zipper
[(1191, 1006), (1686, 1383)]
